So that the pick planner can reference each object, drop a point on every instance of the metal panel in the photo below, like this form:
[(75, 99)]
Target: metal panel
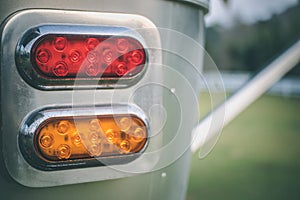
[(169, 180), (19, 98)]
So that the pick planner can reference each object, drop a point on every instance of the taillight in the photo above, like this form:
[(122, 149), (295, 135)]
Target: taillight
[(62, 138), (71, 56), (86, 137), (62, 57)]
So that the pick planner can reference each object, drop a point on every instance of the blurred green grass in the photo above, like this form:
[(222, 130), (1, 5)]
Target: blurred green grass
[(256, 157)]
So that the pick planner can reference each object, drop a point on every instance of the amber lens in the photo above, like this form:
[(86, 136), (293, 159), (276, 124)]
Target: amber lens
[(66, 138)]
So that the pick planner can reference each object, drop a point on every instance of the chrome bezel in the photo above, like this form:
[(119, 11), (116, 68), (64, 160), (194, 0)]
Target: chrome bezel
[(34, 120), (36, 80)]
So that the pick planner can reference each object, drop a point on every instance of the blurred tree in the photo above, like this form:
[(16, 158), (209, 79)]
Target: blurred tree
[(250, 47)]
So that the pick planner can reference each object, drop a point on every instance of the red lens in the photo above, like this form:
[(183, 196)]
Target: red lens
[(81, 56)]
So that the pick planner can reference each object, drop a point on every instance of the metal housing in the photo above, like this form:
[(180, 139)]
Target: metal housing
[(19, 99)]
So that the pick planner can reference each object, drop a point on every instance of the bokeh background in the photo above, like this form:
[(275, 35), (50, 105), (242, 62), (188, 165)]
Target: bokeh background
[(258, 154)]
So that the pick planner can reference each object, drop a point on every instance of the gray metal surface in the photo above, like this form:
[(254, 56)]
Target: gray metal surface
[(202, 3), (169, 179)]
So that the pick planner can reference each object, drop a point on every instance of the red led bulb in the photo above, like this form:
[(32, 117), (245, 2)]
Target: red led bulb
[(60, 69), (60, 43)]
